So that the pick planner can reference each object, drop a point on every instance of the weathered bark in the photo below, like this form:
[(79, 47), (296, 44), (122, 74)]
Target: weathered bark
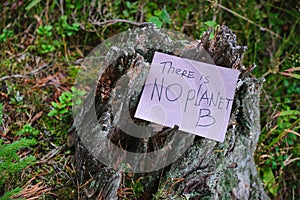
[(207, 169)]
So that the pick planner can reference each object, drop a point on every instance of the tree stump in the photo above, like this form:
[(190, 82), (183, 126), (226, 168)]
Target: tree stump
[(207, 169)]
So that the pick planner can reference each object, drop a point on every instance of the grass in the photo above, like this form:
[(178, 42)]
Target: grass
[(42, 43)]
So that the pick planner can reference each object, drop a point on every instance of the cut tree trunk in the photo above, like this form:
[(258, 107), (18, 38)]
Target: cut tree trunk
[(207, 169)]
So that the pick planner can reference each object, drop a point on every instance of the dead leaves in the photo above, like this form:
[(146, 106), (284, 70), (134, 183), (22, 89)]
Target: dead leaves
[(32, 192)]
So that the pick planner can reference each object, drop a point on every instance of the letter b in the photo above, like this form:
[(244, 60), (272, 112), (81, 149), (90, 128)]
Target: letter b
[(205, 119)]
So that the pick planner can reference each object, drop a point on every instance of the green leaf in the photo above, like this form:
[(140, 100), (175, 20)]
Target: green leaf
[(210, 23), (73, 89), (40, 30), (157, 13), (48, 27), (63, 111), (52, 113), (69, 103), (81, 93), (69, 96), (269, 180), (11, 193), (77, 101), (54, 104), (128, 4), (125, 13), (289, 112), (32, 4), (165, 16), (6, 34), (77, 92), (268, 176), (155, 20), (76, 26), (62, 98)]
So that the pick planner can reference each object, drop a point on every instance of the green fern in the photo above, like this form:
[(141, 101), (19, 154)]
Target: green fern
[(8, 195), (10, 162)]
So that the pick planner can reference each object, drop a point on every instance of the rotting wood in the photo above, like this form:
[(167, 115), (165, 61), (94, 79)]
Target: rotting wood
[(208, 169)]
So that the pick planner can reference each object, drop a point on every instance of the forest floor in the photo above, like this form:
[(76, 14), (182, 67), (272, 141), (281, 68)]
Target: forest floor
[(43, 44)]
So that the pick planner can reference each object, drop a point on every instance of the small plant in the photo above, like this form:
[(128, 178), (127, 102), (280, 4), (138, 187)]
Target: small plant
[(209, 25), (132, 189), (280, 142), (11, 163), (160, 17), (32, 4), (269, 180), (66, 101), (6, 34), (64, 28), (137, 187), (62, 113), (160, 194), (46, 45), (131, 8), (28, 130), (45, 31), (47, 48)]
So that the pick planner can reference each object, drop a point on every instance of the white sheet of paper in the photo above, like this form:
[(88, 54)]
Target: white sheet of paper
[(195, 96)]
